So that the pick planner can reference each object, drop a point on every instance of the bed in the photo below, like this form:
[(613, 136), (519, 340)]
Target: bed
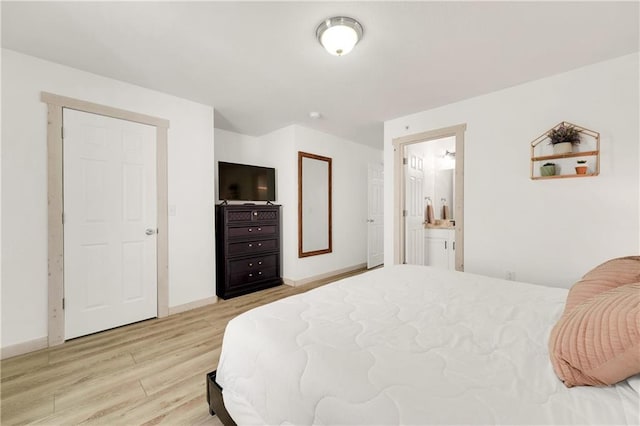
[(409, 344)]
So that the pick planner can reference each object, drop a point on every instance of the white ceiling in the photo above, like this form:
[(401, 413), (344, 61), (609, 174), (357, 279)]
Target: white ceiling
[(260, 66)]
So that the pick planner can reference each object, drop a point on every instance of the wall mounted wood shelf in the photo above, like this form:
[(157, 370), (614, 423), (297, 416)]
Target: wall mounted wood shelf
[(543, 152)]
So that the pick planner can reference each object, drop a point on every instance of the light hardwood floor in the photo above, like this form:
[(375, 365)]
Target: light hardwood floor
[(147, 373)]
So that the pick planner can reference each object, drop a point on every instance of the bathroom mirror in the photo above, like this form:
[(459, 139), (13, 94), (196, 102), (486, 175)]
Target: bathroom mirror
[(314, 204), (443, 189)]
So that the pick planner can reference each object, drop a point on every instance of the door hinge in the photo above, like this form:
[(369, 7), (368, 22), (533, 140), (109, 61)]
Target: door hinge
[(63, 303), (62, 132), (405, 161), (63, 218), (405, 213)]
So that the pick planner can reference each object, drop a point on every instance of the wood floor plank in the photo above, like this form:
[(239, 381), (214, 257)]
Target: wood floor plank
[(47, 381), (135, 372), (18, 411), (198, 365), (95, 405), (152, 372), (187, 412), (96, 388), (16, 366), (174, 341), (158, 406), (146, 332)]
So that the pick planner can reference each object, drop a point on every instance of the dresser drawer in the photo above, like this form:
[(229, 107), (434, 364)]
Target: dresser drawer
[(247, 214), (251, 247), (251, 231), (252, 263), (248, 277)]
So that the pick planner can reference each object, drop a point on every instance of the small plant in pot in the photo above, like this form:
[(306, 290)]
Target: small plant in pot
[(581, 168), (548, 169), (563, 138)]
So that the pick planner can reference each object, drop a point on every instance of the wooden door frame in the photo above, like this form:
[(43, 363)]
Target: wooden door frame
[(399, 144), (55, 105)]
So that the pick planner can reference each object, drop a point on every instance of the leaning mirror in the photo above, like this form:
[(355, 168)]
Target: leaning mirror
[(314, 204)]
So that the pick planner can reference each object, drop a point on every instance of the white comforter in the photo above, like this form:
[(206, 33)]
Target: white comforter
[(408, 345)]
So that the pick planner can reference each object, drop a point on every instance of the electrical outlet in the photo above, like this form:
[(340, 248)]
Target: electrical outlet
[(510, 275)]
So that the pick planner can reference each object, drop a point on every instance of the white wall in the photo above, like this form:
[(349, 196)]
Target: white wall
[(550, 231), (275, 150), (349, 160), (24, 185)]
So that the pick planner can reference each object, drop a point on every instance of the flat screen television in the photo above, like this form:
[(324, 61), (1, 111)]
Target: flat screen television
[(242, 182)]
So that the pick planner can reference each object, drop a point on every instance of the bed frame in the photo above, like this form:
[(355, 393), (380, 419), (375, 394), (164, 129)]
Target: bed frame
[(216, 403)]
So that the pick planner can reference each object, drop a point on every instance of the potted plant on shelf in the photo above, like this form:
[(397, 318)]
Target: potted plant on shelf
[(548, 169), (563, 138), (581, 168)]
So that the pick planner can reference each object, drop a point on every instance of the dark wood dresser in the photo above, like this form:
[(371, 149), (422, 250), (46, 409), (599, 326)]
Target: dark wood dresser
[(247, 248)]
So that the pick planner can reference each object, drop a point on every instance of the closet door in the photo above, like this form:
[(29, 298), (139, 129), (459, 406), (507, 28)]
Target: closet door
[(110, 215)]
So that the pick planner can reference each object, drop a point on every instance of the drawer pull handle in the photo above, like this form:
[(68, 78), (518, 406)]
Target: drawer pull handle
[(255, 213), (250, 229), (259, 273), (251, 264), (250, 245), (250, 275), (259, 229), (259, 244), (259, 263)]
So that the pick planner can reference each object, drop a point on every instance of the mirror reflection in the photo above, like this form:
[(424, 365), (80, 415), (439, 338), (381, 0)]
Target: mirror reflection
[(435, 171), (314, 204)]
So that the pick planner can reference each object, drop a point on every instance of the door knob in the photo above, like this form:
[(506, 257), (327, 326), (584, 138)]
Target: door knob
[(150, 231)]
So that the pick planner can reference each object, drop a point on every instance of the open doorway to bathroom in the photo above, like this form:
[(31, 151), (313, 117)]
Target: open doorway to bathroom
[(430, 202), (429, 198)]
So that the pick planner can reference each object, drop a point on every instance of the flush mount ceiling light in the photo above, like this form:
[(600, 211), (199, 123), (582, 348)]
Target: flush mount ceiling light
[(338, 35)]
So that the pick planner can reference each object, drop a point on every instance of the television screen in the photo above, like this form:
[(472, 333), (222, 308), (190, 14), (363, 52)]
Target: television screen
[(246, 183)]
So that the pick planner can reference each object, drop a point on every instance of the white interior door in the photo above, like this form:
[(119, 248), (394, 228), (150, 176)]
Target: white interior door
[(414, 207), (110, 214), (375, 221)]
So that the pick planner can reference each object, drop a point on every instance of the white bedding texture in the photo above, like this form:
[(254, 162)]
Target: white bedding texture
[(409, 345)]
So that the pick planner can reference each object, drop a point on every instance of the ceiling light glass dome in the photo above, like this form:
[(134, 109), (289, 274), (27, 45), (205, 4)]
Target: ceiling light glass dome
[(338, 35)]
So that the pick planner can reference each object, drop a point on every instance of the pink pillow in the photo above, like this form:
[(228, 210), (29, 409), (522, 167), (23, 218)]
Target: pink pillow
[(604, 277), (598, 342)]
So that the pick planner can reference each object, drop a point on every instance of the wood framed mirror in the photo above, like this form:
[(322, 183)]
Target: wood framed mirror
[(314, 205)]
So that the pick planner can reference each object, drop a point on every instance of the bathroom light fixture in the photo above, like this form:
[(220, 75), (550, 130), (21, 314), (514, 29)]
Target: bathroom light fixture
[(338, 35), (448, 161)]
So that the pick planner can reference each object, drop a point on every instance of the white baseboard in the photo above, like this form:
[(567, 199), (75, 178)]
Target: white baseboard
[(192, 305), (331, 274), (24, 347)]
